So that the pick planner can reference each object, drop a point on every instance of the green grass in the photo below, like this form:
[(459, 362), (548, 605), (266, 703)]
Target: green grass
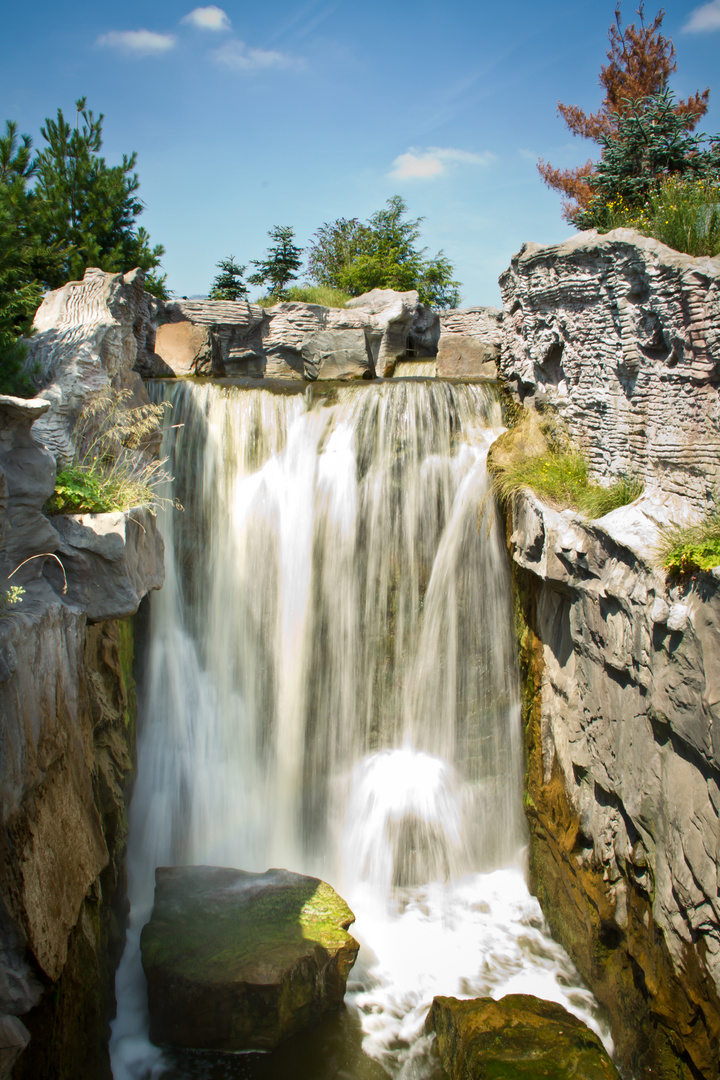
[(685, 549), (308, 294), (112, 470), (537, 456), (683, 214)]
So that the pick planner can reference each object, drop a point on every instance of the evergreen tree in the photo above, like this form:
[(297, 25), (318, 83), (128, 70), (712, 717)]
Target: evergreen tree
[(381, 254), (228, 284), (276, 269), (651, 144), (641, 61), (86, 206)]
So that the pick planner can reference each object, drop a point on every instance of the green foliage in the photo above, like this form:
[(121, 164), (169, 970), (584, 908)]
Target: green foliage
[(684, 214), (650, 145), (685, 549), (381, 254), (281, 259), (229, 284), (109, 471), (9, 597)]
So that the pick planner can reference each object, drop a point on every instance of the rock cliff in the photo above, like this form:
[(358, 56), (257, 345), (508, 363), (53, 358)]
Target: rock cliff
[(620, 666), (622, 335)]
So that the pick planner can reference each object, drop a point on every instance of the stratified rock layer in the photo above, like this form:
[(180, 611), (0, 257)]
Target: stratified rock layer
[(519, 1037), (238, 961), (622, 713), (622, 335)]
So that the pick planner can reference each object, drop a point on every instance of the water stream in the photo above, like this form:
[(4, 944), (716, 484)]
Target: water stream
[(331, 688)]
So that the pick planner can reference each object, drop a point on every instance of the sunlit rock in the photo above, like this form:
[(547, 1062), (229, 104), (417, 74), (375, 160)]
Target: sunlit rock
[(238, 961), (519, 1036)]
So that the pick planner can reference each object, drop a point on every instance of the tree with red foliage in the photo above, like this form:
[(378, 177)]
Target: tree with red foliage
[(641, 61)]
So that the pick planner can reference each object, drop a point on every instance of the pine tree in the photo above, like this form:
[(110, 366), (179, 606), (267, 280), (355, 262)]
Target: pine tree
[(87, 207), (276, 269), (228, 284), (641, 61)]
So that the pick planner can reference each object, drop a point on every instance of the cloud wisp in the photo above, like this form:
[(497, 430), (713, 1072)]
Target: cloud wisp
[(137, 42), (703, 18), (434, 161), (208, 18), (238, 56)]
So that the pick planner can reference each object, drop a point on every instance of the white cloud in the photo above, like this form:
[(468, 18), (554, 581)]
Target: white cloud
[(705, 17), (137, 42), (240, 57), (424, 164), (207, 18)]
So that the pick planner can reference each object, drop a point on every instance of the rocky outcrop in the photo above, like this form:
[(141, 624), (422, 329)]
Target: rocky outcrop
[(469, 343), (518, 1036), (66, 753), (295, 340), (622, 335), (87, 335), (622, 710), (238, 961)]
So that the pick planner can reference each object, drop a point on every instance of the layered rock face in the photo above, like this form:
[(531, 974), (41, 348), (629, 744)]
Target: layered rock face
[(89, 334), (622, 335), (623, 715), (469, 343), (238, 961), (294, 340)]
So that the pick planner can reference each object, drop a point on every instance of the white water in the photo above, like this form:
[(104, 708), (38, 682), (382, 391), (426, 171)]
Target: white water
[(331, 688)]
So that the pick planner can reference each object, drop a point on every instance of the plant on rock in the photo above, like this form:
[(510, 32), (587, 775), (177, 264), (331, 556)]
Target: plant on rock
[(684, 549), (110, 470)]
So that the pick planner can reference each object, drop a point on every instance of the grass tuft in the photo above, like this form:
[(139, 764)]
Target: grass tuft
[(111, 471), (684, 549), (308, 294), (684, 214), (537, 455)]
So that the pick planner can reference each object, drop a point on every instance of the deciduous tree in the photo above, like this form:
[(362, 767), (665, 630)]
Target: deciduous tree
[(640, 62)]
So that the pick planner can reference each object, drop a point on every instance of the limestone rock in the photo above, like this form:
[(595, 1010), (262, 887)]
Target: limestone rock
[(519, 1036), (624, 772), (622, 335), (482, 323), (111, 561), (336, 354), (88, 334), (27, 480), (238, 961), (212, 337), (460, 356)]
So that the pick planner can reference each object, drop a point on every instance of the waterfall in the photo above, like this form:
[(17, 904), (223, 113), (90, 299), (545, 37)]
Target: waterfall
[(331, 688)]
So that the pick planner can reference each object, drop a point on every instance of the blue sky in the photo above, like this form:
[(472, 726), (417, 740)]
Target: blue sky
[(297, 113)]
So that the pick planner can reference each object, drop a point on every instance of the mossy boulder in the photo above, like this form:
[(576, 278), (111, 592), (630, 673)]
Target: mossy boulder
[(519, 1037), (239, 961)]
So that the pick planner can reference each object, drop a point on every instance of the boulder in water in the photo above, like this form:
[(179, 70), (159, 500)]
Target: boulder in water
[(519, 1036), (239, 961)]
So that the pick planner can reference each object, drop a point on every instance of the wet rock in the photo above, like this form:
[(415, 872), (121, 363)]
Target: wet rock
[(238, 961), (336, 354), (519, 1036)]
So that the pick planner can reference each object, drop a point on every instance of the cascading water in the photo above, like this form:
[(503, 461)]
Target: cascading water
[(331, 688)]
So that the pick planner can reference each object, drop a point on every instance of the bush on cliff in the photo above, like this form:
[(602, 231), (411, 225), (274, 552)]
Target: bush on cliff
[(687, 548), (109, 471), (536, 454)]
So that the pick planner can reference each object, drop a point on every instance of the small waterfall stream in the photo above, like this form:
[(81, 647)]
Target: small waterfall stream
[(331, 688)]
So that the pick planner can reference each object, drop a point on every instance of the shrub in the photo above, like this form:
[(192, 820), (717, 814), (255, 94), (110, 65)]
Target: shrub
[(684, 549), (684, 214), (110, 471)]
